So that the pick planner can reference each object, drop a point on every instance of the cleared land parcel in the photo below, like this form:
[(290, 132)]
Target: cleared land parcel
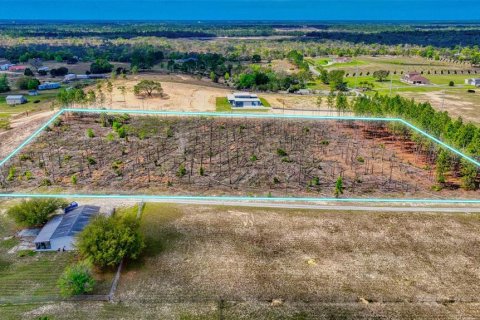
[(106, 153)]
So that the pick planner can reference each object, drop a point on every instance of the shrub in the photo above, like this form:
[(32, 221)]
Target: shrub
[(281, 152), (25, 157), (76, 279), (46, 183), (107, 240), (315, 181), (181, 170), (110, 137), (26, 253), (338, 187), (11, 173), (451, 84), (122, 133), (28, 175), (90, 133), (74, 179), (91, 161), (253, 158), (34, 212)]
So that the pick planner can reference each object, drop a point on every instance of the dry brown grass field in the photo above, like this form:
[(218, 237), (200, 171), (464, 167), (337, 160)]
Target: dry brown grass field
[(204, 262)]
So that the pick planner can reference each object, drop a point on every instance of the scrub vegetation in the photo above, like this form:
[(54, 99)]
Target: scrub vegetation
[(199, 155)]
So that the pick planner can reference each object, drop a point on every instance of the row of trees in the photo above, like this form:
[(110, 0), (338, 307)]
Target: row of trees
[(463, 136)]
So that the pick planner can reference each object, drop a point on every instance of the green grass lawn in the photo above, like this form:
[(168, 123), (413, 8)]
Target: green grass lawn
[(222, 105), (441, 81), (353, 63), (35, 275), (43, 99)]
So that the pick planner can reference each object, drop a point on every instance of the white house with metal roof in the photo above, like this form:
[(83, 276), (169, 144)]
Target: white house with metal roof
[(244, 99), (59, 233), (16, 99), (473, 82)]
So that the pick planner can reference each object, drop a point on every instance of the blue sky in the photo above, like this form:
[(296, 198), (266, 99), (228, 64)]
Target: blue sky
[(384, 10)]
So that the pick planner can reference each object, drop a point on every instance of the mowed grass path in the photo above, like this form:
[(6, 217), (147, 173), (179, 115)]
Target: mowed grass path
[(30, 276), (45, 99)]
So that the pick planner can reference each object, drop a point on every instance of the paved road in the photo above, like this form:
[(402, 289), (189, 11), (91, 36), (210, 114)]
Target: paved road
[(457, 209)]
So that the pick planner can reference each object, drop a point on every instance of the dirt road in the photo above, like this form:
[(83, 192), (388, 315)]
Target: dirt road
[(21, 129)]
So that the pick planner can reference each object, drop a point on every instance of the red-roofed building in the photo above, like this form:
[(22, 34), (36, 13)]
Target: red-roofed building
[(17, 68), (415, 78)]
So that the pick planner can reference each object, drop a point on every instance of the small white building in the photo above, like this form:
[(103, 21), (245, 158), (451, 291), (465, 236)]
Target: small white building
[(16, 99), (4, 67), (59, 233), (244, 99), (473, 82)]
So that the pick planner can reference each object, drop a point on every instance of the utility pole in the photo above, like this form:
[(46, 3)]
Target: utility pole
[(391, 83), (443, 100), (356, 77)]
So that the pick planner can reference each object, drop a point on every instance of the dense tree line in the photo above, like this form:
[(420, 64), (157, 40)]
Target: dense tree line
[(265, 79), (441, 35), (455, 132), (144, 56)]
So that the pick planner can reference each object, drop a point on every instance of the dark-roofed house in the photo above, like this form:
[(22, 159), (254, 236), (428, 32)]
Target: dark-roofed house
[(59, 233), (414, 78)]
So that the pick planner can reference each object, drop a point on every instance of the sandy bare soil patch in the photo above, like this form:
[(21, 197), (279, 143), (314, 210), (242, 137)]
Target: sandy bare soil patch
[(21, 129), (185, 93), (457, 103)]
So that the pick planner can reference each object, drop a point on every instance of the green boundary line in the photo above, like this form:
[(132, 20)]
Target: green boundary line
[(232, 198)]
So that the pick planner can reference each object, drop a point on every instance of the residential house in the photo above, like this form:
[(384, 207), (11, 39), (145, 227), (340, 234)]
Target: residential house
[(414, 78), (16, 99), (60, 232), (17, 68), (244, 99), (342, 59), (473, 82), (49, 86), (5, 66)]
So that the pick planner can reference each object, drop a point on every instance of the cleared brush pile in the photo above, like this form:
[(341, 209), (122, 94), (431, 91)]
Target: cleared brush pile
[(213, 156)]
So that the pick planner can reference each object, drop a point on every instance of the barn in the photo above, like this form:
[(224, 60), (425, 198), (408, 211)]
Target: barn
[(16, 99)]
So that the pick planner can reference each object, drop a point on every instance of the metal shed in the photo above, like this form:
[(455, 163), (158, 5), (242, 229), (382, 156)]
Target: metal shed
[(16, 99), (59, 233)]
